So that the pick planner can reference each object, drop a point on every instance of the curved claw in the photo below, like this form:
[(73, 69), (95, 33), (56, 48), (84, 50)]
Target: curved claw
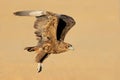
[(30, 49)]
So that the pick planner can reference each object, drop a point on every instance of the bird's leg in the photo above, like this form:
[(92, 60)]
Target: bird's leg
[(39, 67)]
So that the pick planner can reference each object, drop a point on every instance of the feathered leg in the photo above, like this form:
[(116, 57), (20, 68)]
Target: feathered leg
[(39, 59)]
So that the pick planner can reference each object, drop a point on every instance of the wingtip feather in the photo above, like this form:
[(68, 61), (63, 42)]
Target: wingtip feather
[(30, 13), (17, 13)]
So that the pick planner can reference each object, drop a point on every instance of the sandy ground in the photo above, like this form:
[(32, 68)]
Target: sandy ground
[(95, 37)]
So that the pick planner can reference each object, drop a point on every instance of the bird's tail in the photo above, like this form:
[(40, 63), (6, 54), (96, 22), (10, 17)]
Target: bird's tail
[(30, 13)]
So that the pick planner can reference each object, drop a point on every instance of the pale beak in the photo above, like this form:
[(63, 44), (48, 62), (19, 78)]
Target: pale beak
[(71, 48)]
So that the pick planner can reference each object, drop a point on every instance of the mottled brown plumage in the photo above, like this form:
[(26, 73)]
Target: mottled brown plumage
[(51, 29)]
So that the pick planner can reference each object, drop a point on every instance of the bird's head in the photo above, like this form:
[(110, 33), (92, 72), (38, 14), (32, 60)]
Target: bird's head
[(63, 47), (67, 46), (70, 47)]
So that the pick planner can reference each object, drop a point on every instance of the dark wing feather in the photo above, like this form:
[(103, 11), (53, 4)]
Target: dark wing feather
[(64, 25)]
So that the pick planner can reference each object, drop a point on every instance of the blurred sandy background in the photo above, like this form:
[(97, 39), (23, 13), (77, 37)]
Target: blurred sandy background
[(95, 37)]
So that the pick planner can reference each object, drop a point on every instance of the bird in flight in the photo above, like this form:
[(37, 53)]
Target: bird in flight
[(51, 29)]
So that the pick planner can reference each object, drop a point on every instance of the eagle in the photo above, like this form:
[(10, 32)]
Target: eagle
[(51, 29)]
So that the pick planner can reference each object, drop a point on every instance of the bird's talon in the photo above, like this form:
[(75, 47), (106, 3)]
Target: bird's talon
[(29, 49)]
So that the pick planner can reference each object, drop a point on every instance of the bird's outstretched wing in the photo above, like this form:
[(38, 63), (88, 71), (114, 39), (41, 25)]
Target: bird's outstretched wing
[(64, 25), (45, 25), (45, 20)]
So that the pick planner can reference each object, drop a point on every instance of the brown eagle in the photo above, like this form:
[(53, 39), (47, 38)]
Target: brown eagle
[(51, 29)]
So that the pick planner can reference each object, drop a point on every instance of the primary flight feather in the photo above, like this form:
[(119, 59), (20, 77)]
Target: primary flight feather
[(51, 29)]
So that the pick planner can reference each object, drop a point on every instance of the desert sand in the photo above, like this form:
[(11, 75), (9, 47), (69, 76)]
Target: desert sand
[(95, 37)]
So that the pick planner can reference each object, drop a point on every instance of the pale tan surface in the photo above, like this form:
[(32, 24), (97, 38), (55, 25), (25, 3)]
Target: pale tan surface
[(96, 38)]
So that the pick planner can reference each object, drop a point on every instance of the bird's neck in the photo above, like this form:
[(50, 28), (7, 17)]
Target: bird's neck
[(59, 47)]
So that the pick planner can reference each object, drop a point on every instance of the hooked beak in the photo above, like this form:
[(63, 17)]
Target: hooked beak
[(71, 48)]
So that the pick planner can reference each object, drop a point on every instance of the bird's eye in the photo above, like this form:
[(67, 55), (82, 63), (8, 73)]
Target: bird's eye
[(70, 45)]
